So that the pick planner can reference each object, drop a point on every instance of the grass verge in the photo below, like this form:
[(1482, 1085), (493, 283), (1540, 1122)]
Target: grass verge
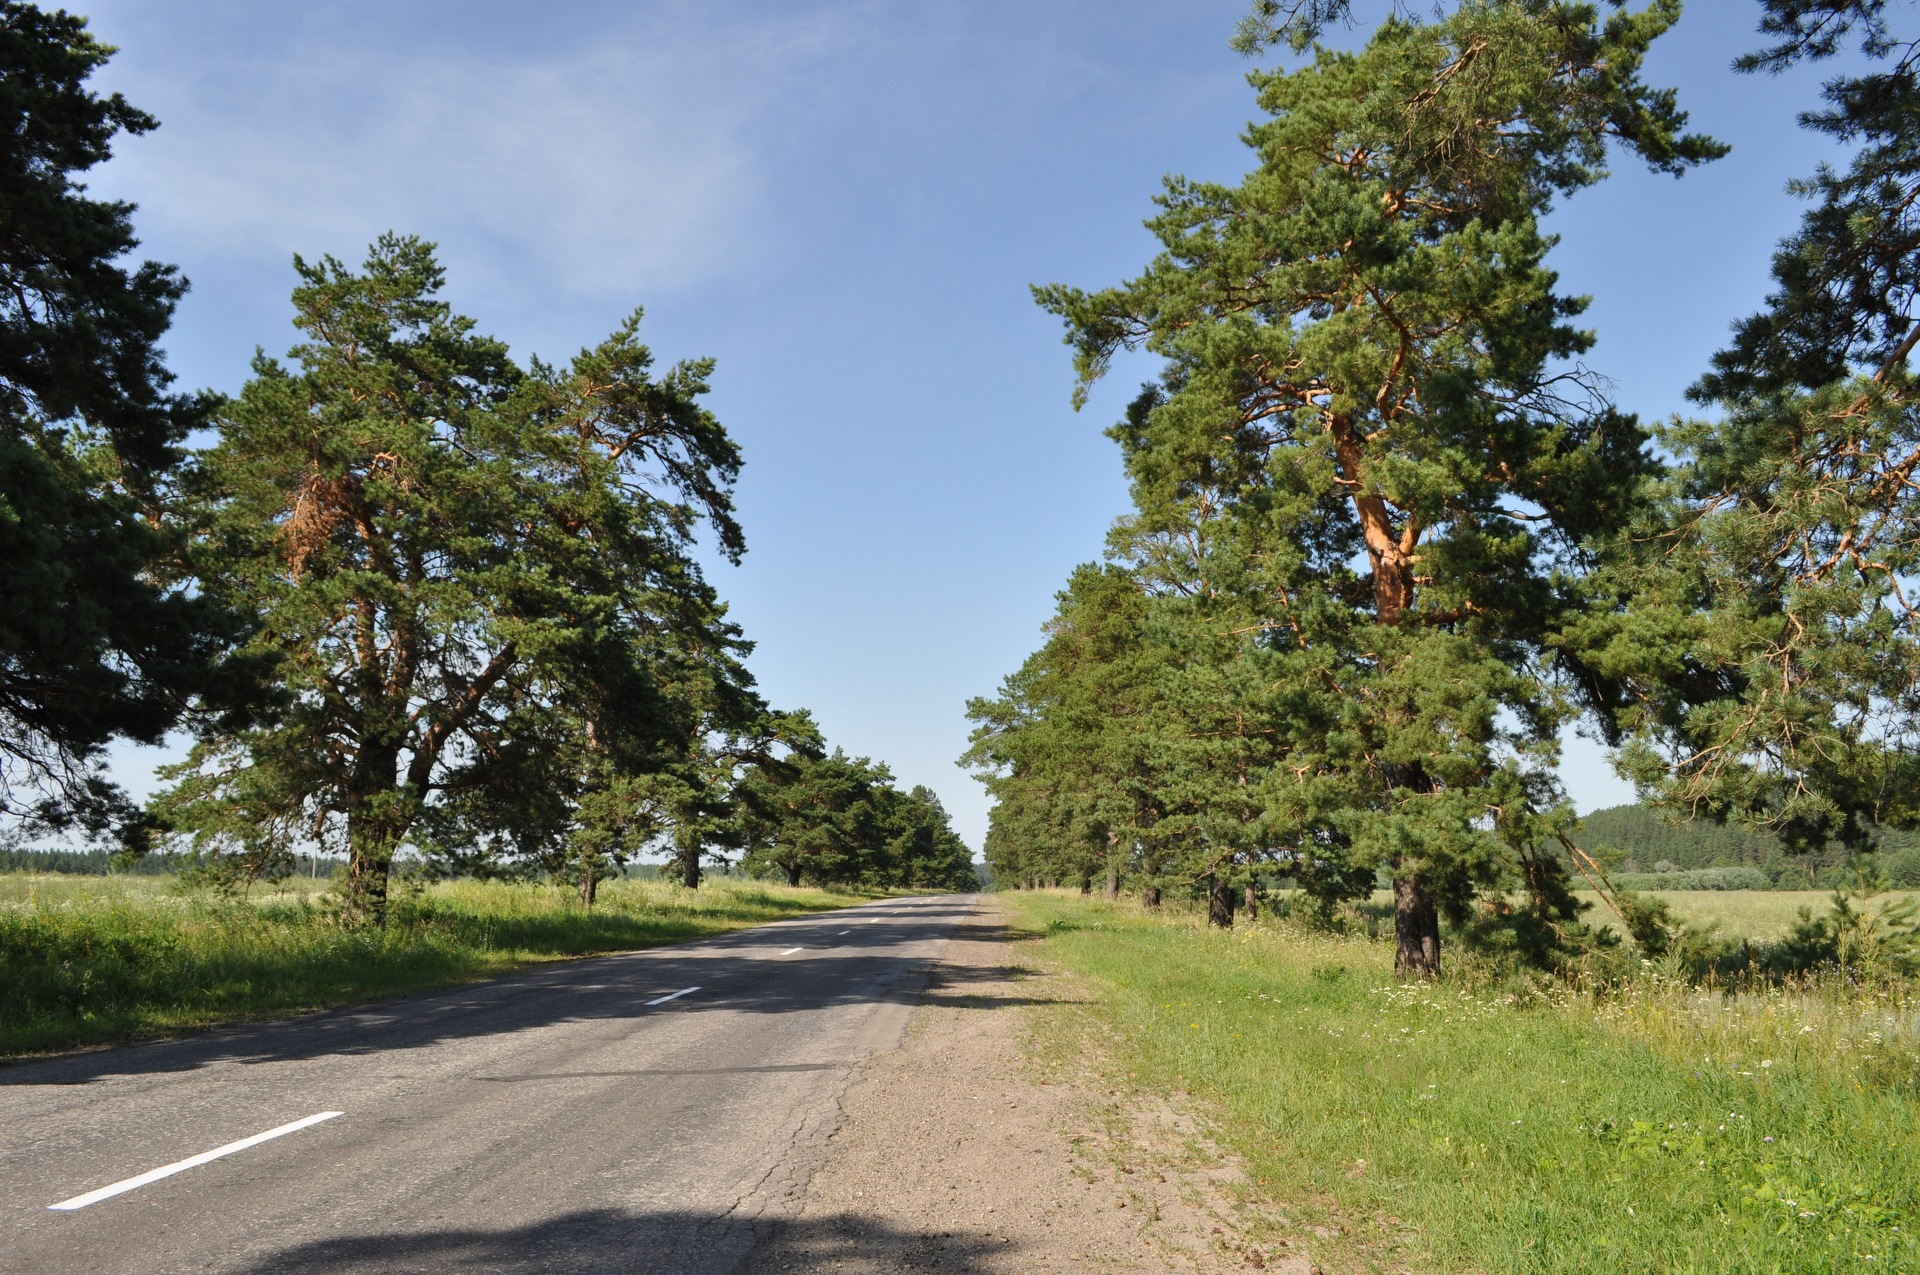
[(91, 960), (1519, 1129)]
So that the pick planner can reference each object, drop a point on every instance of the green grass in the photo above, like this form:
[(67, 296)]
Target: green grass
[(1743, 914), (92, 960), (1516, 1127)]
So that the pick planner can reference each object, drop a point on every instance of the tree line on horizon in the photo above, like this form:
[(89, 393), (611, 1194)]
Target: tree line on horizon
[(407, 594), (1389, 536), (1638, 845)]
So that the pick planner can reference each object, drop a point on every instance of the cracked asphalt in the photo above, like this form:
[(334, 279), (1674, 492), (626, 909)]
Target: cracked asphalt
[(551, 1120)]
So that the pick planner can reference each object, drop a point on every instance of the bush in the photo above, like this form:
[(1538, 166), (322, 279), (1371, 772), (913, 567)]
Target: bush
[(1902, 868), (1740, 878)]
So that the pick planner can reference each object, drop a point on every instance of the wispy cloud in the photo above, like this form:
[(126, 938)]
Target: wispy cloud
[(620, 165)]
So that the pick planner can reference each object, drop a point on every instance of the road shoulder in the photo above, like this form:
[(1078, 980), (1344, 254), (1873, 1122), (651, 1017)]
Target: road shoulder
[(978, 1146)]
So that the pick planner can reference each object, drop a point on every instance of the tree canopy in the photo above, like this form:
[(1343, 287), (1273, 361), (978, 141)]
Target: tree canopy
[(1369, 471), (476, 577), (1763, 610), (830, 819), (94, 643), (499, 650)]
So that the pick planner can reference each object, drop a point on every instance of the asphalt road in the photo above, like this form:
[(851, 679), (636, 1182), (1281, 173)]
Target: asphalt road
[(553, 1120)]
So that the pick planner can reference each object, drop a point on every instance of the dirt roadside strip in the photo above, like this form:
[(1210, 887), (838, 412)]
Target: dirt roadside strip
[(962, 1151)]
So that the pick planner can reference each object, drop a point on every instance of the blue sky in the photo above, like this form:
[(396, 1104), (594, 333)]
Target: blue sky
[(844, 203)]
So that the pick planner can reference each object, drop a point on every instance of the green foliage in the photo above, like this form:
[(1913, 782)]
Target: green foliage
[(1362, 485), (478, 582), (92, 862), (923, 852), (1703, 854), (1638, 837), (1075, 748), (1649, 922), (835, 819), (1858, 937), (1700, 879), (93, 646), (1762, 611)]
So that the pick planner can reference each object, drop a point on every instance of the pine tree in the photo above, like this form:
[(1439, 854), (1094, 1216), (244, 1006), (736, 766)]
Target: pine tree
[(454, 559), (833, 819), (1368, 461), (94, 644), (1070, 747), (1764, 623), (813, 817)]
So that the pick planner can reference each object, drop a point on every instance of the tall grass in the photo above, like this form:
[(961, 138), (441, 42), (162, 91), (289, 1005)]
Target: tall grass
[(87, 960), (1481, 1125), (1740, 914)]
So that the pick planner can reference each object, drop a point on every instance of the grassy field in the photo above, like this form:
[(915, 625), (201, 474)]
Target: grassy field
[(1737, 914), (1742, 914), (1513, 1126), (89, 960)]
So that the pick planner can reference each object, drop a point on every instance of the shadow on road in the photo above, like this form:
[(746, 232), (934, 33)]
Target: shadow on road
[(729, 971), (680, 1243)]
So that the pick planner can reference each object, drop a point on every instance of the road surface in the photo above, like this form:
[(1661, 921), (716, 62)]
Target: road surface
[(573, 1117)]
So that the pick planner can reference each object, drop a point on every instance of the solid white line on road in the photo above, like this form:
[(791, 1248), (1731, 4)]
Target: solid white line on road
[(790, 951), (179, 1166), (674, 996)]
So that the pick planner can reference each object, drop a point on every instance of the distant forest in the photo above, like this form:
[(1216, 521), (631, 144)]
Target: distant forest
[(1646, 852), (96, 863)]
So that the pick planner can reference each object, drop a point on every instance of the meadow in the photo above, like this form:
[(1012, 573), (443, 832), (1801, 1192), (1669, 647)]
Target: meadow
[(1493, 1123), (96, 960), (1740, 914)]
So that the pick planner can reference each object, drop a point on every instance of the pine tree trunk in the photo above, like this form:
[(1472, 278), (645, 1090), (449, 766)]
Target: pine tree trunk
[(1150, 898), (686, 855), (1416, 928), (1416, 924), (1086, 883), (371, 842), (1219, 902), (366, 889), (1113, 884), (589, 886), (793, 873), (1250, 902)]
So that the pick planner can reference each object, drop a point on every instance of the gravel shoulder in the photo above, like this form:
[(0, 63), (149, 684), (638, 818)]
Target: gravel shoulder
[(979, 1146)]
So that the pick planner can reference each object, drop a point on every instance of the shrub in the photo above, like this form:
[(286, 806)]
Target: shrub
[(1736, 878)]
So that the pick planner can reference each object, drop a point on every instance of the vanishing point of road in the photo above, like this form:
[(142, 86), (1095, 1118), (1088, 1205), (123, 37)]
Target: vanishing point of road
[(653, 1111)]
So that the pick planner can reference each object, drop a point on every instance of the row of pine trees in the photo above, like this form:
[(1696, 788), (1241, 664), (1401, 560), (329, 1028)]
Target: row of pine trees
[(1390, 538), (410, 596)]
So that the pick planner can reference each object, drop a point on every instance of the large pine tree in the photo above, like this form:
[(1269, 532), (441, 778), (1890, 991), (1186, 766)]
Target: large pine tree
[(1767, 620), (1369, 470), (454, 560), (93, 645)]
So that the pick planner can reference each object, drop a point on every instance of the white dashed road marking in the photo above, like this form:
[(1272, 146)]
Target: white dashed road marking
[(661, 1000), (180, 1166)]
